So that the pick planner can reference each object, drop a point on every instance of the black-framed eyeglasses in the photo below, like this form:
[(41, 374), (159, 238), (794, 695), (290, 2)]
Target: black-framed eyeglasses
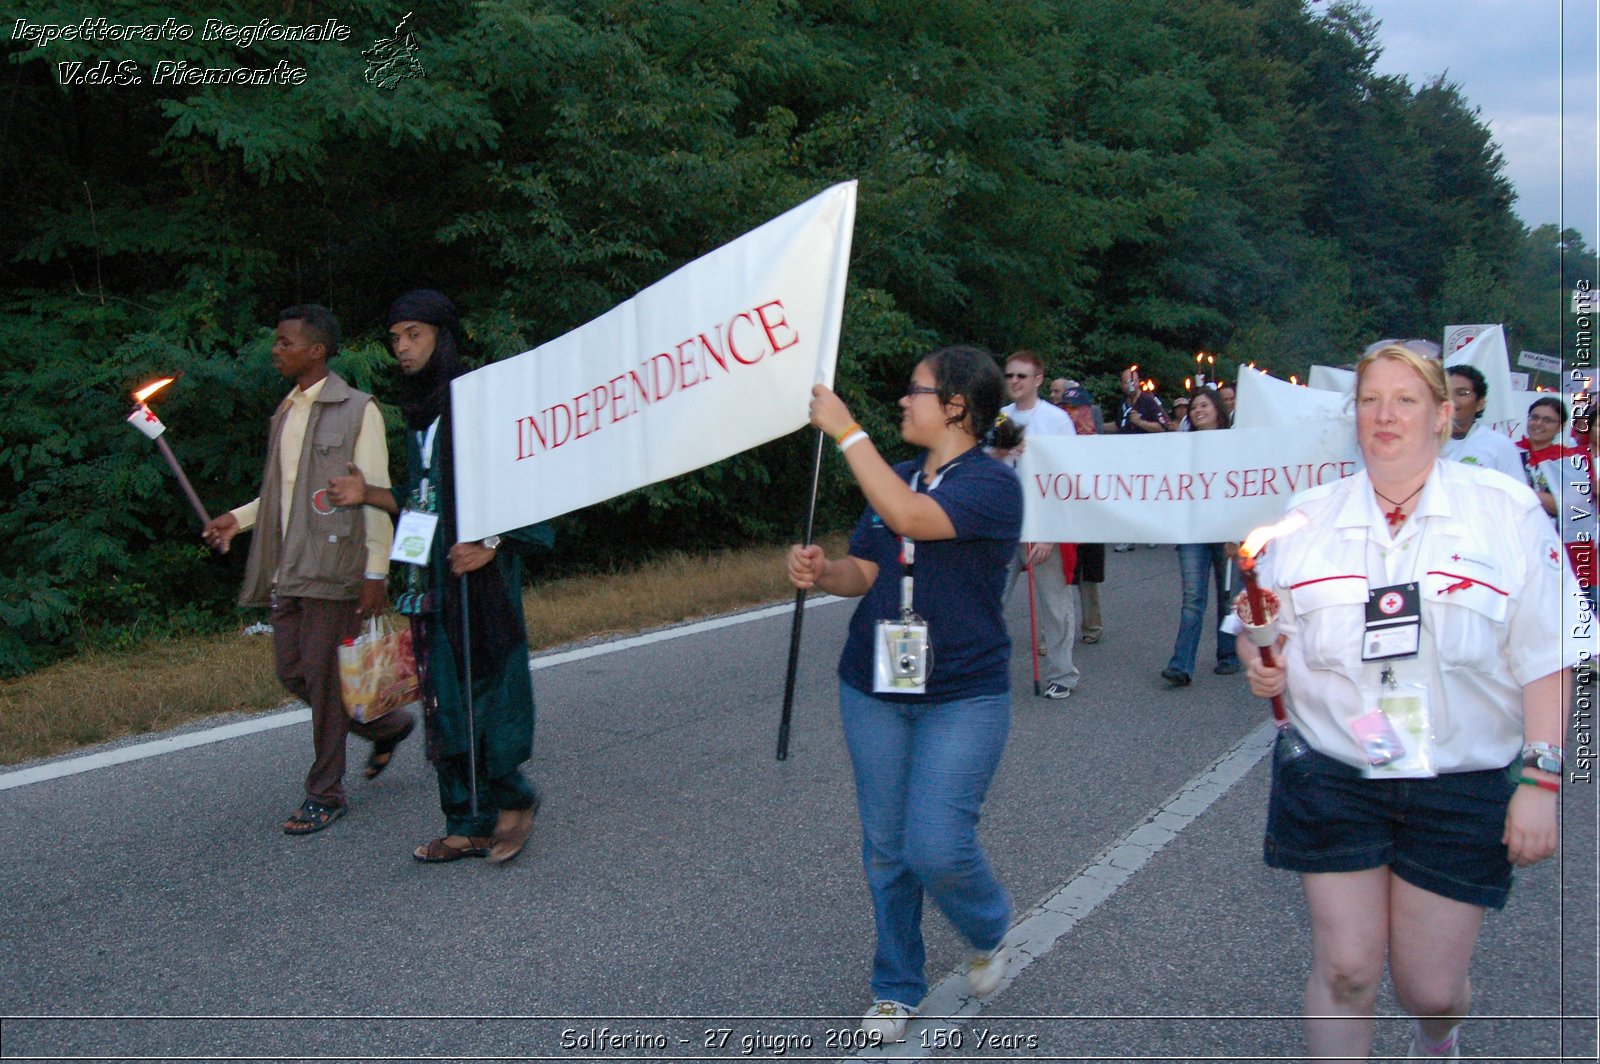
[(920, 389)]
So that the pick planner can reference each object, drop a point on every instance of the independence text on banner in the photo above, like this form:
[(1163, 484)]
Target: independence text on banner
[(713, 359)]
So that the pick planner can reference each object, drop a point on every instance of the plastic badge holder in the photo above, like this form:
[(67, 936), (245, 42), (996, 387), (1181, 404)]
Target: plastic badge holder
[(1397, 735), (903, 659)]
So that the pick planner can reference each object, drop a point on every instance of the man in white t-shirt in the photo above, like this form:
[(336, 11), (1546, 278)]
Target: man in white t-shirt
[(1471, 443), (1058, 618)]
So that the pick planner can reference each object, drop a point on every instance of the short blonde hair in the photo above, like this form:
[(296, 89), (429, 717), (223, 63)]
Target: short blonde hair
[(1429, 369)]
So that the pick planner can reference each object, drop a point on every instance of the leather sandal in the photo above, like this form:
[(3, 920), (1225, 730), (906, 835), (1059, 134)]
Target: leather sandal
[(312, 817), (383, 750), (511, 833), (438, 851)]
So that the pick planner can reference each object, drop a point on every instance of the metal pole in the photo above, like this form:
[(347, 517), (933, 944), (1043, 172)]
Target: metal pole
[(472, 723), (799, 615)]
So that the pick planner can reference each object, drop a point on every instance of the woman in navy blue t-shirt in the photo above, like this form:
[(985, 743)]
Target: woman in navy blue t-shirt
[(923, 761)]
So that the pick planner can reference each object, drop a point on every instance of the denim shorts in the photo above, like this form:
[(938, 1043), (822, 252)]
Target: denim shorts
[(1441, 834)]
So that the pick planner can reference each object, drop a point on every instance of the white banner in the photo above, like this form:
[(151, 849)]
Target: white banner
[(1487, 352), (1458, 336), (713, 359), (1177, 487)]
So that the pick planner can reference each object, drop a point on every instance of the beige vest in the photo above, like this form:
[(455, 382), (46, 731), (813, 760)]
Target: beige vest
[(322, 555)]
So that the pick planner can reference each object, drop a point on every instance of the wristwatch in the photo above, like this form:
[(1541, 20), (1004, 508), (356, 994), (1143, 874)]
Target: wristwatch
[(1544, 757), (492, 542)]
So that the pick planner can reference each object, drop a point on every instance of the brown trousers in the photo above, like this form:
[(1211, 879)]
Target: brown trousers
[(306, 634)]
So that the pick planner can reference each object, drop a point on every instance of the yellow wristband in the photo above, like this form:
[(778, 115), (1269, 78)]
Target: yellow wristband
[(852, 427)]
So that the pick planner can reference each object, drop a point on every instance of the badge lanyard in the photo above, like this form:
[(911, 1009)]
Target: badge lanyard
[(902, 653), (1395, 728), (413, 534)]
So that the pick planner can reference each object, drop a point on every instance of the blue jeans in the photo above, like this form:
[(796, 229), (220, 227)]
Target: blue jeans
[(1193, 561), (922, 770)]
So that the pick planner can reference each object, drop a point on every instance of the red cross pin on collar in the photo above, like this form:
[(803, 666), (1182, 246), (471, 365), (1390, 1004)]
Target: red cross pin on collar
[(1553, 555), (1455, 557)]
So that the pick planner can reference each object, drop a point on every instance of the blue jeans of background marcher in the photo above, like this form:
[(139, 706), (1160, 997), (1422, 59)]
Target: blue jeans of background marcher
[(922, 770), (1194, 559)]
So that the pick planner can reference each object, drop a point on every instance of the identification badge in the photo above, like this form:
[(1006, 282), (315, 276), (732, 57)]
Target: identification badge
[(1396, 732), (903, 659), (1394, 623), (413, 537)]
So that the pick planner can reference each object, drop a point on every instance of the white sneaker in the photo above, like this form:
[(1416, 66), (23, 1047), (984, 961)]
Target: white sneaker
[(1453, 1053), (886, 1021), (986, 970)]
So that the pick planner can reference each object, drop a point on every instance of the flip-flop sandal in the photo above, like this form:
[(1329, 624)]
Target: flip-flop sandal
[(312, 817), (438, 851), (383, 751)]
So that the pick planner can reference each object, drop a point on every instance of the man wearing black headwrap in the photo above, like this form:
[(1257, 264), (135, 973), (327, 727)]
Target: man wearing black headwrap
[(423, 331)]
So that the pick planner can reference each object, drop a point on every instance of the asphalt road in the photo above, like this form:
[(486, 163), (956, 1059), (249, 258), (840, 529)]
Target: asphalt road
[(687, 897)]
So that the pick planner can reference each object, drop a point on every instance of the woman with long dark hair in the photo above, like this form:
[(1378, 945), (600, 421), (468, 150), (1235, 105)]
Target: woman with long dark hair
[(1198, 563), (925, 719)]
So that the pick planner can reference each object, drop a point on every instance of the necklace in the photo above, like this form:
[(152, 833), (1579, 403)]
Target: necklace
[(1395, 517)]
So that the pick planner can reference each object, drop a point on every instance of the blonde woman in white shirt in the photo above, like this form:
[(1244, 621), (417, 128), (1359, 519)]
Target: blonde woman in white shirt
[(1402, 869)]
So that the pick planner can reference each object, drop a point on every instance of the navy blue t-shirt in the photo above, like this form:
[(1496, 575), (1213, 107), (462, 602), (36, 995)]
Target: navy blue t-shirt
[(958, 585)]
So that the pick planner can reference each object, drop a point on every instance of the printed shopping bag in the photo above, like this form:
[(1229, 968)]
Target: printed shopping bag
[(377, 672)]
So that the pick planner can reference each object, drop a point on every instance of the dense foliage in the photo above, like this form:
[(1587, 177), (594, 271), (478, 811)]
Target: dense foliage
[(1105, 181)]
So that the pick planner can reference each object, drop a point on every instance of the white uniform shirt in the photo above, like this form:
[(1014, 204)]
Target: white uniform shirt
[(1487, 449), (1496, 611), (1566, 476), (1045, 419)]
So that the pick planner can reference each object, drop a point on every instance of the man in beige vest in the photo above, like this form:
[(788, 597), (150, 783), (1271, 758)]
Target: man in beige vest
[(321, 568)]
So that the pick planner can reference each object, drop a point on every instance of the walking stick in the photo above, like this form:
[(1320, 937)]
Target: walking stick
[(1033, 630), (472, 723), (799, 616)]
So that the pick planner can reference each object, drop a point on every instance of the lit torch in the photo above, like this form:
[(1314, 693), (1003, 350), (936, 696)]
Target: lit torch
[(145, 420), (1257, 608)]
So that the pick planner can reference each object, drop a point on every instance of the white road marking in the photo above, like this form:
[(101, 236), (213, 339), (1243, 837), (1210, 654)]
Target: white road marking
[(72, 765), (951, 1002)]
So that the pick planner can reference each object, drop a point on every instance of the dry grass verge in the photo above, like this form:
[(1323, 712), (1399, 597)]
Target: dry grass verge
[(100, 696)]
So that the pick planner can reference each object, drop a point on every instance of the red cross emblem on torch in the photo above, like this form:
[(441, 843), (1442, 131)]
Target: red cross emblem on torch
[(144, 419)]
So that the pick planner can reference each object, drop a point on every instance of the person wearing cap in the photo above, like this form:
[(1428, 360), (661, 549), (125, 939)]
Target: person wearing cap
[(1180, 414), (423, 332), (1470, 442), (1085, 404), (321, 567)]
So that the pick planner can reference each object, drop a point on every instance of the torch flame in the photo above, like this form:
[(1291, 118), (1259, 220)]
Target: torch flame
[(1259, 538), (150, 389)]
